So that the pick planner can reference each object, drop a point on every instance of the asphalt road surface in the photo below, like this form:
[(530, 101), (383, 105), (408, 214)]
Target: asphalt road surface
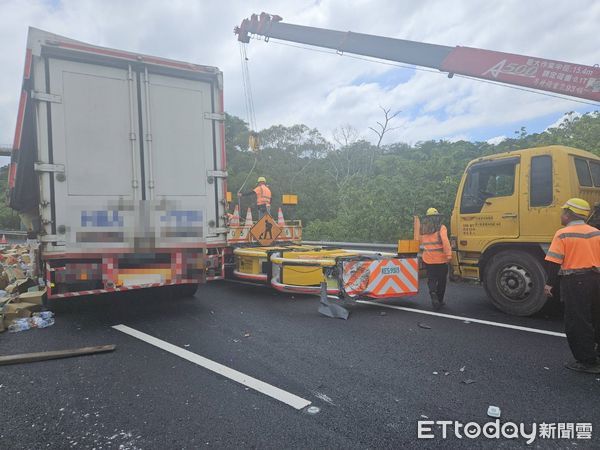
[(288, 377)]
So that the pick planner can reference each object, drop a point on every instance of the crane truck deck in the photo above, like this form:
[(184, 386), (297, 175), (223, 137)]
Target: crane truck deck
[(118, 168), (507, 206)]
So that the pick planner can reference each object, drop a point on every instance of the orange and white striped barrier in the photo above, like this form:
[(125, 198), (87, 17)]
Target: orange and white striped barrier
[(381, 278)]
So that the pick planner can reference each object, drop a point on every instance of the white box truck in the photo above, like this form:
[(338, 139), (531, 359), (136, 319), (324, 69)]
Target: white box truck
[(119, 168)]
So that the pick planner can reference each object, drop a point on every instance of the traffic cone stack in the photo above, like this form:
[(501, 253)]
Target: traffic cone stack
[(235, 218), (280, 219)]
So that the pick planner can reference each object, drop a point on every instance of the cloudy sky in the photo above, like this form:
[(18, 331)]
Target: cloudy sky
[(321, 89)]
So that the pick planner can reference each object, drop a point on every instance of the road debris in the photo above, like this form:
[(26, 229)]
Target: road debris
[(468, 381), (493, 411), (42, 319), (424, 326), (324, 397), (383, 313), (43, 356), (20, 293), (313, 410), (435, 373), (462, 369), (331, 309)]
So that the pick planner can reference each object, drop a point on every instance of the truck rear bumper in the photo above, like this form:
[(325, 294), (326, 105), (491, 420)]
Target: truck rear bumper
[(80, 275), (118, 289)]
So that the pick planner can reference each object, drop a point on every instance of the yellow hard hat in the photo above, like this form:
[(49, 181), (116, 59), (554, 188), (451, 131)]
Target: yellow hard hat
[(261, 179), (578, 206), (432, 212)]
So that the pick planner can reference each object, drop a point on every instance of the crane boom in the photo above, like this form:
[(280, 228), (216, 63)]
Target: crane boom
[(576, 80)]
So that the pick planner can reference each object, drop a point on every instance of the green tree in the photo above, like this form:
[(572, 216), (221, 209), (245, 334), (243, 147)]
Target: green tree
[(9, 219), (356, 191)]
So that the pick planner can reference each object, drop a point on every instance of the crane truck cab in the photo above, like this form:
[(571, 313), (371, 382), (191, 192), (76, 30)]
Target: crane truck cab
[(506, 212)]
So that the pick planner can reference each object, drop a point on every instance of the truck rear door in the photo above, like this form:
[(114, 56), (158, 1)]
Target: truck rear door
[(138, 149), (93, 125), (179, 158)]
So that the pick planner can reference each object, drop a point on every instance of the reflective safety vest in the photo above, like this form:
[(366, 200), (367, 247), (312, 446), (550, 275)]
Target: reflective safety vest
[(576, 248), (263, 195), (436, 247)]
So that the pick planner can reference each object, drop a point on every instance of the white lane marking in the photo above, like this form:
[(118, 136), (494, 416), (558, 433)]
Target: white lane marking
[(264, 388), (450, 316)]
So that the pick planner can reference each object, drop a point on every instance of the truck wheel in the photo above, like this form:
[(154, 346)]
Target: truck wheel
[(514, 281), (184, 290)]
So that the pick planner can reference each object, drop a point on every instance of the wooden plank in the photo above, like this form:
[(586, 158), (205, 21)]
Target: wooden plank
[(42, 356)]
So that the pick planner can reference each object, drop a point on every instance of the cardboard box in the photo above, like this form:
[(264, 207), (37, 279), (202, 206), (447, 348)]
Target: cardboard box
[(14, 273), (14, 311), (36, 297), (24, 285)]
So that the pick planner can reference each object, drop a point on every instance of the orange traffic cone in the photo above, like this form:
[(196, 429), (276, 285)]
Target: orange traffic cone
[(280, 219), (3, 241), (248, 222), (235, 218), (247, 225)]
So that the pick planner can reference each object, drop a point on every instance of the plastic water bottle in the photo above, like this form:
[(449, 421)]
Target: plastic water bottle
[(19, 325), (44, 315), (40, 322)]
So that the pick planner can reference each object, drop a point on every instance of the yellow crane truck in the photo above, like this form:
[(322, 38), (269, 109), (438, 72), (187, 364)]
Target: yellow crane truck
[(508, 205), (506, 212)]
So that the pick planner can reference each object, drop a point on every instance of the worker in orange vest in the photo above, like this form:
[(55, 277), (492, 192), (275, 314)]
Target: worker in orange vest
[(574, 257), (263, 196), (435, 253)]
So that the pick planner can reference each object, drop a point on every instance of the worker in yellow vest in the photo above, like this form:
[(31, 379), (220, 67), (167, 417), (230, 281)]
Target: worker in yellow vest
[(574, 257), (435, 253), (263, 196)]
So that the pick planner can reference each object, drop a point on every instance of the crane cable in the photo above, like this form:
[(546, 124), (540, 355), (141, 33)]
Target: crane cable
[(250, 113)]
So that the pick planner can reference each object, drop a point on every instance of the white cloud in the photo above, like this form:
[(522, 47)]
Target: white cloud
[(567, 117), (293, 85), (496, 140)]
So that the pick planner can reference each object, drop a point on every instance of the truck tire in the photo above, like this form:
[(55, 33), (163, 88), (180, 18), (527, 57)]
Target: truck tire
[(514, 281), (184, 290)]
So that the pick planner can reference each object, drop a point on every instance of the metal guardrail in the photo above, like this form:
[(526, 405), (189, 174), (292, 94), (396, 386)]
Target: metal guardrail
[(355, 245), (13, 233)]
